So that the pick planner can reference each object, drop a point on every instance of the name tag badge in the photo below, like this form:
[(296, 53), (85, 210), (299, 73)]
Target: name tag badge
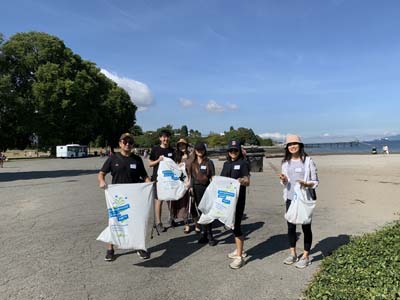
[(169, 154), (236, 167), (133, 166), (203, 167), (298, 170)]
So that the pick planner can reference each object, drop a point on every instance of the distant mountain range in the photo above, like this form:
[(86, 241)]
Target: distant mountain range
[(390, 138)]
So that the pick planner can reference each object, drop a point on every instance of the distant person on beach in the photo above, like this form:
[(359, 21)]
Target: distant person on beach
[(201, 171), (125, 167), (385, 149), (295, 169), (2, 159), (237, 167), (157, 154)]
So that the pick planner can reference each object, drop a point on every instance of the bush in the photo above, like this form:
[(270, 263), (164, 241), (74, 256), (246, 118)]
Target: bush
[(366, 268)]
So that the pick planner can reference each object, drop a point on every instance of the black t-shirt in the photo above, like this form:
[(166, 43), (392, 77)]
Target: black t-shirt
[(236, 169), (156, 152), (202, 173), (125, 169)]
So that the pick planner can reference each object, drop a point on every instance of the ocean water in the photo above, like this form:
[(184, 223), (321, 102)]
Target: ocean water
[(361, 147)]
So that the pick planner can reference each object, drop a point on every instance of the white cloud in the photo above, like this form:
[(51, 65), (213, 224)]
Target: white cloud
[(213, 106), (139, 92), (232, 106), (185, 102), (274, 135)]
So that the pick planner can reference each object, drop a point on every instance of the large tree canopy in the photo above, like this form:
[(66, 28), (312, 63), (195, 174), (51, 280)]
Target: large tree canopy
[(47, 91)]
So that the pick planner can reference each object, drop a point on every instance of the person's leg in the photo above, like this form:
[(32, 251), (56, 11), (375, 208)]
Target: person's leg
[(110, 253), (198, 192), (157, 207), (211, 240), (238, 260), (305, 260), (292, 237), (239, 241), (307, 239), (203, 238)]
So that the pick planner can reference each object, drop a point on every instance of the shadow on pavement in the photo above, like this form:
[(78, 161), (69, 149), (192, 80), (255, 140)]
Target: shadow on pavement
[(12, 176), (176, 249), (328, 245), (247, 229), (179, 248), (269, 247)]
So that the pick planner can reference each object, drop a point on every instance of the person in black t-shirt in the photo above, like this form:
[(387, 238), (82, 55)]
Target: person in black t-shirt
[(157, 154), (238, 168), (125, 167)]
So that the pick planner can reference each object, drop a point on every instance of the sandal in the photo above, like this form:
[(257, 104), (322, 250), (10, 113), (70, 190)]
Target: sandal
[(186, 229)]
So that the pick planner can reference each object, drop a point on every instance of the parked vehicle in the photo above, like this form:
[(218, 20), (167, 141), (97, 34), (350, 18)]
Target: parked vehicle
[(71, 151)]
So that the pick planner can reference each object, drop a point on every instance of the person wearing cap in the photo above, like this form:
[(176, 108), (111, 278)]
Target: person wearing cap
[(180, 208), (296, 165), (125, 167), (157, 154), (238, 168), (201, 172)]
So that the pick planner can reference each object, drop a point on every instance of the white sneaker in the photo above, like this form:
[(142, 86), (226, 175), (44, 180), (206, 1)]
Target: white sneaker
[(234, 255), (303, 262), (291, 260), (237, 263)]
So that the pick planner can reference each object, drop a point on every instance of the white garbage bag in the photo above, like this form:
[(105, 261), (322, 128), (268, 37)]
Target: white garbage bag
[(301, 208), (219, 201), (129, 207), (172, 180)]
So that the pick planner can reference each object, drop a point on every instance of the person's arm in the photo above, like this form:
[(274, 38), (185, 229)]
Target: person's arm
[(143, 172), (106, 168), (101, 178), (245, 179), (153, 163), (313, 181), (283, 176), (212, 168)]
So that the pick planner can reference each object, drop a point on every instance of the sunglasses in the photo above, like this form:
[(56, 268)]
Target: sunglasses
[(233, 150), (292, 144), (125, 142)]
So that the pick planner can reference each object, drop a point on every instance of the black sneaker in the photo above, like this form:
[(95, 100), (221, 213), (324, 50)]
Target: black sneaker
[(203, 240), (160, 228), (143, 254), (212, 241), (110, 255), (171, 223)]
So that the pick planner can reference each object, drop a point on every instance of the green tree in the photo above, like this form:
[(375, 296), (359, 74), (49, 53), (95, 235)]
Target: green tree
[(184, 131), (55, 95), (214, 140), (136, 130)]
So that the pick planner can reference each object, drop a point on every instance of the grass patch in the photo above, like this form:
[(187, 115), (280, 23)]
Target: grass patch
[(366, 268)]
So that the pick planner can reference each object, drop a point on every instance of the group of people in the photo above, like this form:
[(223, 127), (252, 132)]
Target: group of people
[(127, 167)]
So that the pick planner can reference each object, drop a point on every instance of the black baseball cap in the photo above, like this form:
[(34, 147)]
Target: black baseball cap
[(200, 146), (125, 136), (234, 144)]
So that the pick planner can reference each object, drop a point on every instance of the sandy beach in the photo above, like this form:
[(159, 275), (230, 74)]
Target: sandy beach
[(52, 212)]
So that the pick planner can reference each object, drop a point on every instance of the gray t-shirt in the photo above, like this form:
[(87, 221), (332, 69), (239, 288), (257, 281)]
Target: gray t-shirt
[(296, 171)]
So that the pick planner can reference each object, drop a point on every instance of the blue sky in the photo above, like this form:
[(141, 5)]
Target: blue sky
[(327, 70)]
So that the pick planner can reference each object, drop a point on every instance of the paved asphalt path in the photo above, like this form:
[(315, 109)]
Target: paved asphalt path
[(52, 211)]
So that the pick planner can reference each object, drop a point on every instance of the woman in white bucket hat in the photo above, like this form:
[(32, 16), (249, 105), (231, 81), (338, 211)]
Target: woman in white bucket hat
[(297, 166)]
